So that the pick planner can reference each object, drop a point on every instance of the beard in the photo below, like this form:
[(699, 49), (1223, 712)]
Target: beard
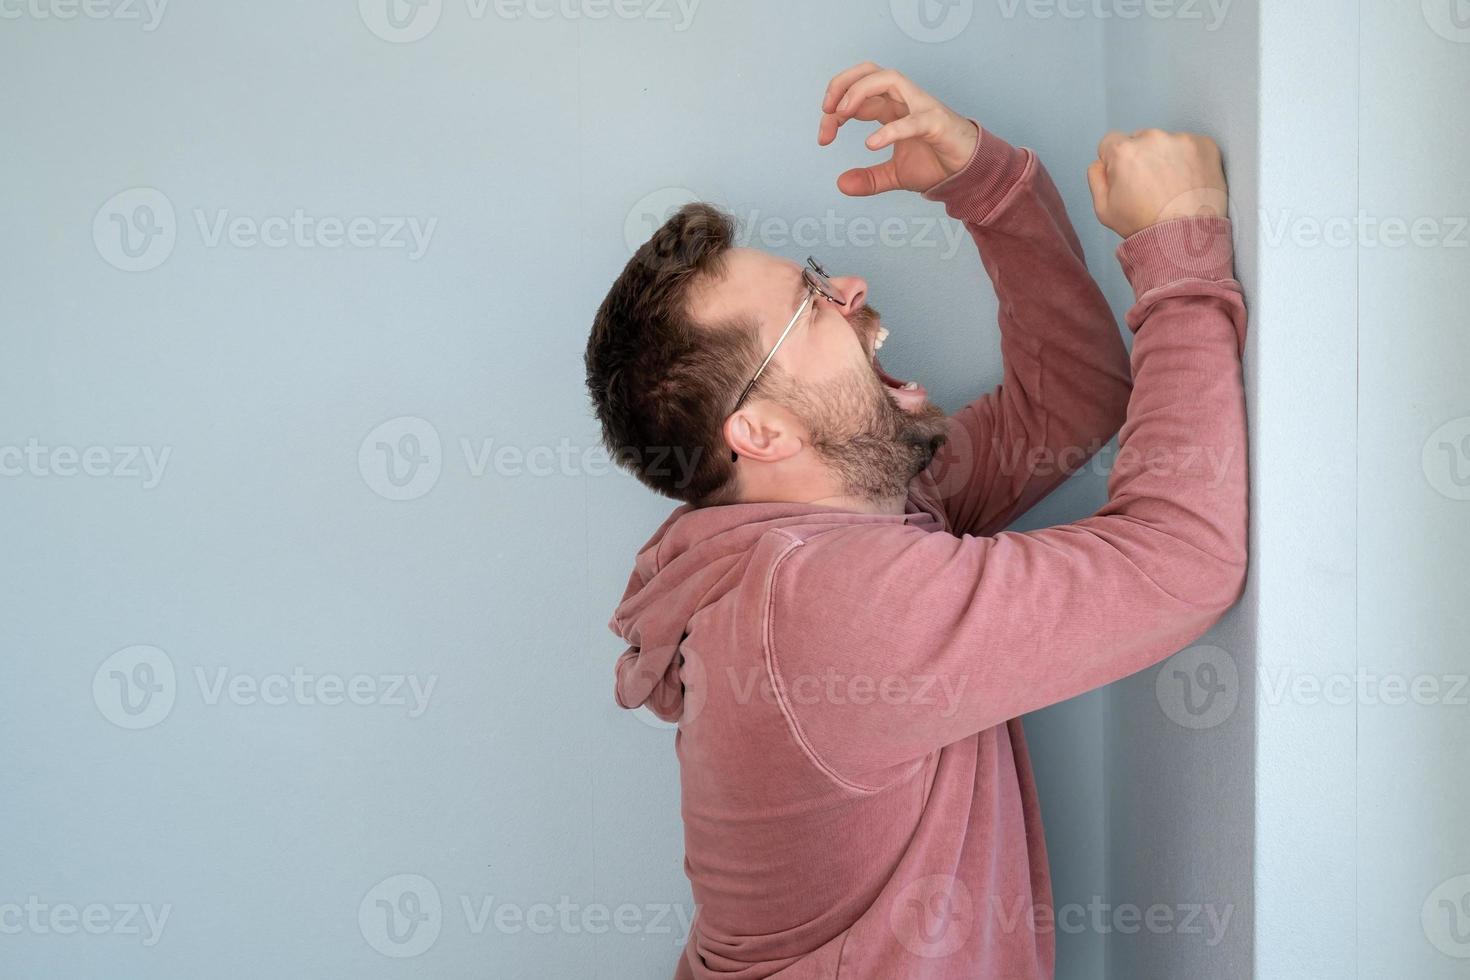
[(874, 447)]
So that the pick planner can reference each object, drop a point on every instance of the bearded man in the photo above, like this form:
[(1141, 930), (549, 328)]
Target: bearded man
[(835, 615)]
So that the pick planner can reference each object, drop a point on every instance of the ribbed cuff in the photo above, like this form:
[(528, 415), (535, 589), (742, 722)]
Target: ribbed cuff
[(973, 192), (1194, 247)]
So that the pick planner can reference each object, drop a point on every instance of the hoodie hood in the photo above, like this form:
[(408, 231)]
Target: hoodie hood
[(693, 560)]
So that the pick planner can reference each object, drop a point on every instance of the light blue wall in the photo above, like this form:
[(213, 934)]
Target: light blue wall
[(1179, 774), (532, 153), (1329, 800), (1413, 476), (274, 377)]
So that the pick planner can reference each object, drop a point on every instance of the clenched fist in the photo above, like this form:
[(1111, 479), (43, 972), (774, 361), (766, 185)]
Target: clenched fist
[(1153, 176)]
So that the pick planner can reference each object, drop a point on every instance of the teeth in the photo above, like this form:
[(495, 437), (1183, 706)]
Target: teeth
[(911, 386), (882, 336)]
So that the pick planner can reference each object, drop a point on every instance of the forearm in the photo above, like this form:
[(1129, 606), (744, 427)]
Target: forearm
[(1066, 379), (1018, 621)]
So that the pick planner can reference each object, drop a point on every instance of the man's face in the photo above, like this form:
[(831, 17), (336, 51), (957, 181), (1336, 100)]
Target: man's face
[(871, 430)]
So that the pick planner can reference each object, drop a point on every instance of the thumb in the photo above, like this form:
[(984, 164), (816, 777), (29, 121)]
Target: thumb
[(867, 181), (1097, 182)]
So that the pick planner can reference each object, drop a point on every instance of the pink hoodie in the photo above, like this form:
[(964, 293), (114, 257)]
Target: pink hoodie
[(857, 797)]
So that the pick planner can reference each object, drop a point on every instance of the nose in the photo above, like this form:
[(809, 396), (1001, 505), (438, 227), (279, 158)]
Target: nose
[(854, 290)]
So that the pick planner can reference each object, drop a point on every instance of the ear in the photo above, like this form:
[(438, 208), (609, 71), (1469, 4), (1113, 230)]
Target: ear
[(763, 433)]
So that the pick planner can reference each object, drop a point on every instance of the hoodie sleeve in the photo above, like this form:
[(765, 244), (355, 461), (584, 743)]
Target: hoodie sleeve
[(886, 642), (1065, 379)]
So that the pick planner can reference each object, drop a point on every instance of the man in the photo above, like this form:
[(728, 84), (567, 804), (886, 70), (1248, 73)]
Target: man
[(836, 618)]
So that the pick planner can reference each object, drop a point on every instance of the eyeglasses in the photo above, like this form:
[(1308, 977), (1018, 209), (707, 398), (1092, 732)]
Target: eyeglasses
[(817, 281)]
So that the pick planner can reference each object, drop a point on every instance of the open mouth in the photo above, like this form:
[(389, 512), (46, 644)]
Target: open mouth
[(909, 395)]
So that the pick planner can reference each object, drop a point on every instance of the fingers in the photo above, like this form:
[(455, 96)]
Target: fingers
[(914, 124), (867, 181), (1110, 143), (1097, 182), (879, 108), (837, 87), (884, 81)]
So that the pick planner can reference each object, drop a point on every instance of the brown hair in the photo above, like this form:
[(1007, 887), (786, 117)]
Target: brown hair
[(662, 383)]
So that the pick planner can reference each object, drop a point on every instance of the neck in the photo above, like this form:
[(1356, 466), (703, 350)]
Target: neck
[(861, 505), (757, 486)]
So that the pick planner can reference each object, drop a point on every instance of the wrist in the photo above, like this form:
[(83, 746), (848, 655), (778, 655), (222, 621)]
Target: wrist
[(974, 191), (1195, 247)]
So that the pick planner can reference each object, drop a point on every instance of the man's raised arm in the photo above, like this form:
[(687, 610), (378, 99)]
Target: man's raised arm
[(989, 628), (1065, 381)]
